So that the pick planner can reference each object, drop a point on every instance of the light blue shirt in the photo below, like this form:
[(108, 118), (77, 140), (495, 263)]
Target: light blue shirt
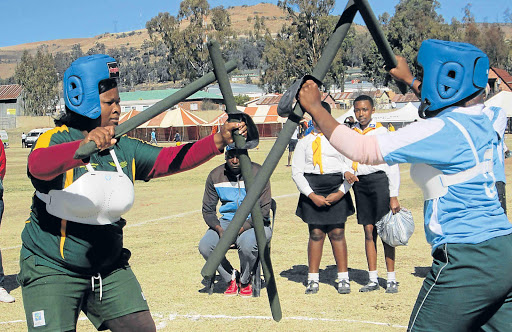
[(470, 212)]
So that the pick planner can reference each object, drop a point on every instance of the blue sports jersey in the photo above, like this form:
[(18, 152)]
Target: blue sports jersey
[(470, 211)]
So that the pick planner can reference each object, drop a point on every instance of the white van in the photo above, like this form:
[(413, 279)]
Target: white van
[(4, 137), (33, 135)]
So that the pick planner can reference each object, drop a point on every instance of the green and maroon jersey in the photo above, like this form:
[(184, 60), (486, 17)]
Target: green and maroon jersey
[(88, 249)]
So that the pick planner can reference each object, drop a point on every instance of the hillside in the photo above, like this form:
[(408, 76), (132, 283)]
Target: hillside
[(241, 17), (274, 20)]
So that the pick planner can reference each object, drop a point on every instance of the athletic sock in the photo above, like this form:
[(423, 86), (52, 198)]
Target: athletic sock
[(342, 276), (391, 276), (373, 276), (314, 277)]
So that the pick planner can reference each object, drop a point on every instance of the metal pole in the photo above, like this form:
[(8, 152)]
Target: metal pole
[(87, 149), (246, 166), (283, 138)]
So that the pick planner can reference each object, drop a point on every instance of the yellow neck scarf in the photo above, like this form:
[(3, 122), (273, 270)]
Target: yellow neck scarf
[(364, 132), (317, 153)]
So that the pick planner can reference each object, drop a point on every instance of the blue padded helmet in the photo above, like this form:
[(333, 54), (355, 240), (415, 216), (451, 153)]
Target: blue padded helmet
[(80, 83), (452, 71)]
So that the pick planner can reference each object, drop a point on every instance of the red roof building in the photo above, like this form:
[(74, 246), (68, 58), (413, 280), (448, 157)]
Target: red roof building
[(499, 80)]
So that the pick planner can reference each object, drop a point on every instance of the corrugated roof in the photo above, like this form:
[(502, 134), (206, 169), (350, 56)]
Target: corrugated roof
[(408, 97), (503, 74), (161, 94), (269, 100), (343, 95), (11, 91)]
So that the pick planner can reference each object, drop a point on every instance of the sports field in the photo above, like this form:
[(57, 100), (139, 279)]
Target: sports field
[(163, 231)]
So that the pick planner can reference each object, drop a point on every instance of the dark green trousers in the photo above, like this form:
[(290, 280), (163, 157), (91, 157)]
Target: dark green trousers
[(469, 288)]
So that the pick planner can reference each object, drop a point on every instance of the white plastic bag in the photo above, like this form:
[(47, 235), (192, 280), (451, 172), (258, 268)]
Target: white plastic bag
[(396, 229)]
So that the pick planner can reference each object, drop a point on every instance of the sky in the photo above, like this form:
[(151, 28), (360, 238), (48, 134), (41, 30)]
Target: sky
[(27, 21)]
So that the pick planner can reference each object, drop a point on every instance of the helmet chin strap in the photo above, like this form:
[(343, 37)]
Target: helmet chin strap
[(425, 114), (423, 107)]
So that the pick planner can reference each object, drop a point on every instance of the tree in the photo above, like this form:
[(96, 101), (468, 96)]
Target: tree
[(38, 77), (241, 99), (186, 48), (413, 22), (297, 48)]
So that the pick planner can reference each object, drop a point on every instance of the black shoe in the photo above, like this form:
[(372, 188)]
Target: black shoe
[(371, 286), (312, 287), (344, 287), (392, 287)]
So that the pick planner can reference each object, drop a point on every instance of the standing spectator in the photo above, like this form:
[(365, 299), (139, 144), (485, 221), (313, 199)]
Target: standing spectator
[(226, 184), (391, 127), (292, 144), (23, 138), (498, 117), (324, 204), (4, 296), (177, 138), (153, 137), (376, 190)]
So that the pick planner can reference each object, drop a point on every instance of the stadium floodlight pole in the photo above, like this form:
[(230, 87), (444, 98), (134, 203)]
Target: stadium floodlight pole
[(275, 154), (231, 232), (89, 148), (378, 37)]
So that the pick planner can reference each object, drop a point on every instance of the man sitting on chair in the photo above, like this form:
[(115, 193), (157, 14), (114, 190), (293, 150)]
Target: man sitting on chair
[(225, 183)]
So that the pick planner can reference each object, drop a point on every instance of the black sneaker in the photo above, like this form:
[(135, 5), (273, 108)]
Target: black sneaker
[(344, 287), (392, 287), (312, 287), (371, 286)]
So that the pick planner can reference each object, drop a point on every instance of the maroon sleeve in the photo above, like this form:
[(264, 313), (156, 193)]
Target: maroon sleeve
[(177, 159), (2, 160), (49, 162)]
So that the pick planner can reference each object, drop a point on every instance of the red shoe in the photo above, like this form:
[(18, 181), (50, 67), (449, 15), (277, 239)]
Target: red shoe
[(232, 288), (246, 290)]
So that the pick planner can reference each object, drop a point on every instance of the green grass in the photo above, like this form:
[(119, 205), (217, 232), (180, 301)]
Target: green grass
[(167, 263)]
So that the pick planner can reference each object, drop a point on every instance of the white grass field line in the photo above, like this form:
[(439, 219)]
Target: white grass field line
[(161, 321)]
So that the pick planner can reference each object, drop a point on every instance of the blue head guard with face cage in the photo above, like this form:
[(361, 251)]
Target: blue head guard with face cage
[(452, 71), (80, 83)]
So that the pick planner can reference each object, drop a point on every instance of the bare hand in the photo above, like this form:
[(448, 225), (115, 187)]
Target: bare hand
[(351, 178), (219, 230), (401, 72), (319, 200), (334, 197), (102, 136), (394, 205), (309, 96), (225, 136)]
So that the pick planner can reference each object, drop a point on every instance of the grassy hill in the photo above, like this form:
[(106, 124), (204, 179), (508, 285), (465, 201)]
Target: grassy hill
[(9, 55), (275, 18)]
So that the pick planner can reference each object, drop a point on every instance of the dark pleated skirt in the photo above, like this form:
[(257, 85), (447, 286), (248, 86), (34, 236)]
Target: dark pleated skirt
[(325, 184)]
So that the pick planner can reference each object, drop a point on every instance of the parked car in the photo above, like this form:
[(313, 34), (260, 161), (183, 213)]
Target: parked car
[(4, 137), (33, 135)]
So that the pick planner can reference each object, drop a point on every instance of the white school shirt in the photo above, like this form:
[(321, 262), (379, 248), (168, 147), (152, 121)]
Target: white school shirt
[(498, 118), (302, 162), (392, 172)]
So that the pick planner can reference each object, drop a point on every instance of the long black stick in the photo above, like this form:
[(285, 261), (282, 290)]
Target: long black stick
[(246, 166), (283, 138), (87, 149)]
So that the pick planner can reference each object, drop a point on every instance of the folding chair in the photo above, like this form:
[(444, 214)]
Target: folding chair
[(256, 273)]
